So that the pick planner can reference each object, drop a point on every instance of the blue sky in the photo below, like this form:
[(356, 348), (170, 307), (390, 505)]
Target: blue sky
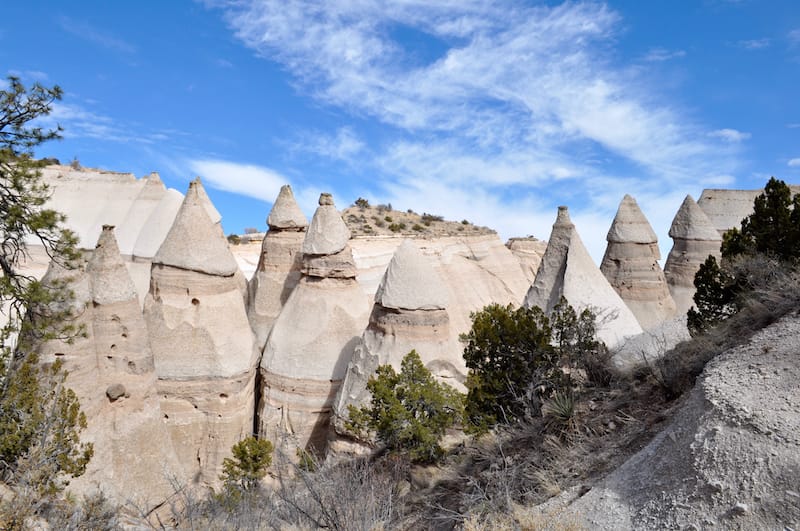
[(496, 112)]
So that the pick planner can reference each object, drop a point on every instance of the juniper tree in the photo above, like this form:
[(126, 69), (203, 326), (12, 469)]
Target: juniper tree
[(39, 417)]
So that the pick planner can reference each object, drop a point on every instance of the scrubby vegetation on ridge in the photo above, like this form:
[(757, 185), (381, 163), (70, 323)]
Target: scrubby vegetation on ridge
[(364, 219)]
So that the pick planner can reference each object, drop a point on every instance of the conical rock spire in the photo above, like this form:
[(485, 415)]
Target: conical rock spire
[(328, 234), (285, 213), (110, 279), (631, 266), (567, 270), (694, 237), (410, 282), (195, 242)]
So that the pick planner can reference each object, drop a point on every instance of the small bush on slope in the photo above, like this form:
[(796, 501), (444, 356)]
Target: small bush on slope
[(409, 411)]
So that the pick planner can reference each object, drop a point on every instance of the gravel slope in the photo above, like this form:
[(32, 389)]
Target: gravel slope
[(729, 460)]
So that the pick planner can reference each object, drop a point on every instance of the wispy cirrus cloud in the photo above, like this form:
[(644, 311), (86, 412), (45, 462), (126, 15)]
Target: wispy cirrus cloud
[(729, 135), (84, 30), (662, 54), (794, 163), (754, 44), (500, 96)]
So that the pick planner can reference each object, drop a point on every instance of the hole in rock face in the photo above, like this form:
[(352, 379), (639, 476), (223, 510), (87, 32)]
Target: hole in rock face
[(195, 302), (166, 416), (59, 354), (223, 396), (110, 357), (131, 365), (113, 346)]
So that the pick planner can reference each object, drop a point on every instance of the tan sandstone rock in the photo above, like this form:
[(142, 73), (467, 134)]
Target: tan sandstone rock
[(567, 270), (204, 349), (410, 313), (111, 370), (631, 266), (279, 264), (694, 238), (312, 340), (529, 252)]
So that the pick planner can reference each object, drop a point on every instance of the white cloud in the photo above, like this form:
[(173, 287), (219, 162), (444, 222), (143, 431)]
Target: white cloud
[(515, 102), (662, 54), (344, 144), (87, 32), (246, 179), (729, 135), (794, 163), (754, 44)]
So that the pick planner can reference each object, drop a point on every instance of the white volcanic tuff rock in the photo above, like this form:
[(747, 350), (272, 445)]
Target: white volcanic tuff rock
[(734, 440), (694, 239), (279, 265), (727, 208), (204, 349), (311, 342), (407, 315), (567, 270), (133, 454), (631, 266), (529, 252), (286, 213), (194, 242), (410, 283), (328, 234)]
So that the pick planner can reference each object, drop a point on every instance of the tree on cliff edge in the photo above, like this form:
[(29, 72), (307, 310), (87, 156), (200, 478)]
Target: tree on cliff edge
[(39, 417)]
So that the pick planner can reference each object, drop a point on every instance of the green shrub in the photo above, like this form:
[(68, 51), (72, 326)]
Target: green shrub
[(409, 411), (417, 227), (234, 239), (362, 203), (251, 458), (518, 358), (772, 230), (430, 217), (388, 219)]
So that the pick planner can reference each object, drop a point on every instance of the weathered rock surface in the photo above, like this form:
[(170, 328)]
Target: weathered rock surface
[(728, 460), (529, 252), (631, 266), (410, 313), (312, 340), (694, 237), (111, 370), (279, 265), (205, 352), (567, 270), (727, 208)]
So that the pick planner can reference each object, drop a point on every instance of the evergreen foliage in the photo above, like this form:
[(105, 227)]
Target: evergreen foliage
[(409, 411), (519, 357), (772, 230), (251, 458), (40, 419)]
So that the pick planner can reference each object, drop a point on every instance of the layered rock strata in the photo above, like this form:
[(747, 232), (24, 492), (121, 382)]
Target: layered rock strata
[(529, 252), (312, 340), (694, 238), (279, 264), (567, 270), (205, 352), (409, 313), (111, 371), (631, 266)]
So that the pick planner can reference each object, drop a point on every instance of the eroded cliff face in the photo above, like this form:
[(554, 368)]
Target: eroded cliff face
[(204, 350)]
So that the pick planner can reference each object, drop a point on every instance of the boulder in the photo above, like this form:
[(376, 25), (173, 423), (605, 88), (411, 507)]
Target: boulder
[(205, 352), (694, 238), (279, 265), (567, 270), (631, 266), (312, 340)]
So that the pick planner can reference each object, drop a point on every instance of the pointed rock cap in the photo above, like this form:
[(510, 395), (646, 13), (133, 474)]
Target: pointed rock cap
[(154, 177), (327, 233), (195, 242), (630, 225), (213, 213), (285, 213), (691, 223), (562, 218), (410, 282), (108, 277)]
